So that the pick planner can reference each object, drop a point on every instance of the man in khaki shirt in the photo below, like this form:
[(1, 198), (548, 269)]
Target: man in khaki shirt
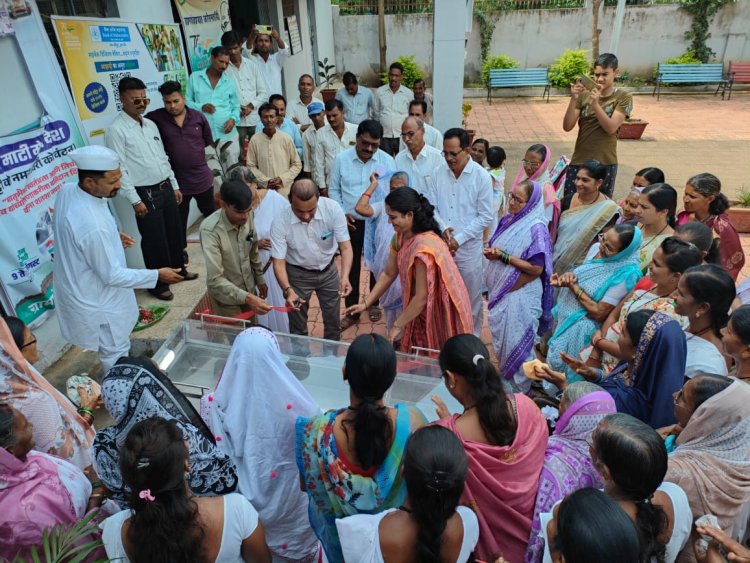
[(230, 247), (272, 156)]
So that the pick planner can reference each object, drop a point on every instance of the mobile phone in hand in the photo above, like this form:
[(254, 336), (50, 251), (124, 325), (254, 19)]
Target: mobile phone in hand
[(587, 82), (264, 29)]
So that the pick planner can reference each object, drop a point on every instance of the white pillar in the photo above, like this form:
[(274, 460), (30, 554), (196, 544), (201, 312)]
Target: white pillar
[(614, 43), (145, 11), (449, 39)]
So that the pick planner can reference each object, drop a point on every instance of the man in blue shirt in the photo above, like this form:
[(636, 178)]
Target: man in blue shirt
[(358, 102), (350, 177), (283, 123), (213, 93)]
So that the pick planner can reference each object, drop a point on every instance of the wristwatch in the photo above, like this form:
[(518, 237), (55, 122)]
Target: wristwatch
[(285, 292)]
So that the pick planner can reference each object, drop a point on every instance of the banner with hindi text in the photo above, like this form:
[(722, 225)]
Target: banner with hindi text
[(203, 21)]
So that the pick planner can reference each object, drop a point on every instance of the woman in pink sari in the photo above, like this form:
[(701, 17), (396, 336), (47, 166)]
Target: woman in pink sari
[(535, 168), (436, 305), (505, 437), (37, 490), (704, 202)]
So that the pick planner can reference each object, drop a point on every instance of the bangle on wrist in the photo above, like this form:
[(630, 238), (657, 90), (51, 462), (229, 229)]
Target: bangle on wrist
[(285, 292), (86, 410), (599, 376), (96, 484), (364, 300), (579, 293), (366, 195)]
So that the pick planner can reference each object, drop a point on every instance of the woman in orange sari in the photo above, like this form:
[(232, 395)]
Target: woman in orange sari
[(436, 304)]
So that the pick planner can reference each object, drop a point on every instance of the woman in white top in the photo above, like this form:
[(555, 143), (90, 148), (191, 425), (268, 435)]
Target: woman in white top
[(632, 460), (166, 522), (704, 295), (267, 205), (429, 526)]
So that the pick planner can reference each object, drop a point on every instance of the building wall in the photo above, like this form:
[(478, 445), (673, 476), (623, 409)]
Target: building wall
[(650, 34)]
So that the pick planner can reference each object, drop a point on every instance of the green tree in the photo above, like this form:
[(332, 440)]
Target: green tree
[(702, 12)]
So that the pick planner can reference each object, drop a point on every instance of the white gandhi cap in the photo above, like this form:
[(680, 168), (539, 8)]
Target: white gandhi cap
[(95, 158)]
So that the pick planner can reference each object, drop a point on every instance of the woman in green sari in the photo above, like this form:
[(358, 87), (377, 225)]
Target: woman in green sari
[(585, 214)]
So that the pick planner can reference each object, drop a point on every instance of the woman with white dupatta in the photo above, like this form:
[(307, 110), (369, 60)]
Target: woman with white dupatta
[(267, 205), (517, 277), (253, 413)]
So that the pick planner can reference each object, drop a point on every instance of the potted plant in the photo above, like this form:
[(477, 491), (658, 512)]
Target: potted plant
[(327, 73), (631, 128), (465, 111), (739, 212)]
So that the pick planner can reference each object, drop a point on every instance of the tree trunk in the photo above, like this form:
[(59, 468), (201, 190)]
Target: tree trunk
[(595, 31), (381, 34)]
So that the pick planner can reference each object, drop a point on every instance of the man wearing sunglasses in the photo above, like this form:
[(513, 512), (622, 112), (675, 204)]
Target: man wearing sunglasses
[(461, 191), (149, 184)]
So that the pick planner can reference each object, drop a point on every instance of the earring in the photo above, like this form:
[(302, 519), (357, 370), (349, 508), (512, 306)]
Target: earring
[(451, 386), (698, 315)]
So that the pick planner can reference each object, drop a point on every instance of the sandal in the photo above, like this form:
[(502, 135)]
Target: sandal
[(164, 296), (348, 321), (190, 276), (375, 314)]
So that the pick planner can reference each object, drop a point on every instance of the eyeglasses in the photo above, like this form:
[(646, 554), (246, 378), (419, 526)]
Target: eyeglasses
[(409, 134), (141, 101), (603, 245), (514, 197), (531, 164), (451, 154), (28, 343)]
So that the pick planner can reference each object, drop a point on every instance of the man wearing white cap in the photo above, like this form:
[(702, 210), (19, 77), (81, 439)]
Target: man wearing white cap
[(94, 295)]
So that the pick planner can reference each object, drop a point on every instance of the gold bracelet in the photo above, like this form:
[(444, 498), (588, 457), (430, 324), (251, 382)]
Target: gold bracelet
[(97, 495), (580, 292), (364, 300)]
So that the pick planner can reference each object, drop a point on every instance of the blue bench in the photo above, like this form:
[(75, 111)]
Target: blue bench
[(517, 77), (687, 73)]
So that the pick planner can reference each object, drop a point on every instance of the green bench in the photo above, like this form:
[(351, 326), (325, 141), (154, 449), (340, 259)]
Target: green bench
[(518, 77), (688, 74)]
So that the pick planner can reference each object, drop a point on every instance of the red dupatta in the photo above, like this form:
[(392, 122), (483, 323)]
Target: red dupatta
[(731, 255), (448, 309)]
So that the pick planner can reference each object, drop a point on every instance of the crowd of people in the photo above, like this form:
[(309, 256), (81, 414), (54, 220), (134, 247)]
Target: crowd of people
[(611, 421)]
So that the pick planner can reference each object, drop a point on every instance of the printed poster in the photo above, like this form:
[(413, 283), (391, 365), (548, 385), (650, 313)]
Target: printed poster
[(33, 167), (99, 53), (204, 21)]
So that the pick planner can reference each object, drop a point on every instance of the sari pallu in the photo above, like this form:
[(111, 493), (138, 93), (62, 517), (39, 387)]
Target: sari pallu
[(567, 462), (448, 309), (542, 176), (334, 490), (517, 316), (391, 301), (574, 327), (33, 497), (576, 232), (658, 373), (712, 460), (502, 482), (731, 255), (58, 428), (254, 410), (134, 390)]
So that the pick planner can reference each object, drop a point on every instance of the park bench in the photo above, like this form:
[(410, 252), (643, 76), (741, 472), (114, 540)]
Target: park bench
[(515, 77), (687, 73), (739, 73)]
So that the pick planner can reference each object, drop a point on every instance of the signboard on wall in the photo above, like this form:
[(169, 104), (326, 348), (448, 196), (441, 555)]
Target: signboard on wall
[(99, 53), (203, 21), (295, 39), (33, 166)]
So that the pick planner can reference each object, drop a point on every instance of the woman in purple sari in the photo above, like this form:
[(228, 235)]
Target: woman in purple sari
[(567, 461), (517, 277)]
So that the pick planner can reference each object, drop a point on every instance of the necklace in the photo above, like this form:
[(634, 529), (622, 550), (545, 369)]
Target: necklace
[(643, 306), (405, 509), (598, 195), (654, 237), (700, 331)]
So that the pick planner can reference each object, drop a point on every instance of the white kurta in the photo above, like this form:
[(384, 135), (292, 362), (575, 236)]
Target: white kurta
[(93, 285), (465, 205), (272, 205)]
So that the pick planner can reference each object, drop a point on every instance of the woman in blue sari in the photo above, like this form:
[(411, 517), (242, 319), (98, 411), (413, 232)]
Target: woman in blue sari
[(591, 291), (652, 370)]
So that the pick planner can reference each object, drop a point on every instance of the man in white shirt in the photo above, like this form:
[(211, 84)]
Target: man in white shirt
[(310, 137), (358, 102), (461, 192), (337, 137), (270, 64), (418, 159), (94, 297), (297, 107), (393, 107), (304, 240), (349, 179), (149, 184), (432, 136), (251, 86)]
